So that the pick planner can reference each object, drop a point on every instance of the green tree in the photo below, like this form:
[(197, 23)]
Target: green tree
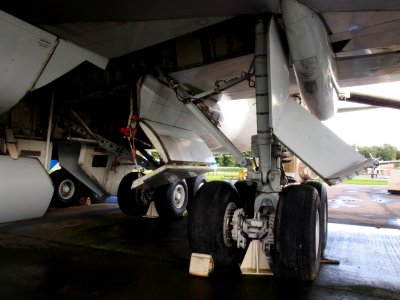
[(389, 152), (225, 160), (385, 152)]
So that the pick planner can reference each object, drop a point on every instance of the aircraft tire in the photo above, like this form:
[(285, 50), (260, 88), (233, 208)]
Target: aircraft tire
[(171, 200), (66, 189), (296, 253), (194, 184), (323, 212), (207, 229), (133, 202)]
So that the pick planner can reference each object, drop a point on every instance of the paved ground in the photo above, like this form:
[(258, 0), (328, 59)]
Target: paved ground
[(364, 205), (97, 253)]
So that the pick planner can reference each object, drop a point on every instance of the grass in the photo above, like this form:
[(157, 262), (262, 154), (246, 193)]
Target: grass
[(230, 169), (214, 177), (366, 181), (223, 173)]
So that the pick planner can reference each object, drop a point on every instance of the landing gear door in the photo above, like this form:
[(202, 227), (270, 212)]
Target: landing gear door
[(176, 144), (323, 151), (184, 153), (301, 132)]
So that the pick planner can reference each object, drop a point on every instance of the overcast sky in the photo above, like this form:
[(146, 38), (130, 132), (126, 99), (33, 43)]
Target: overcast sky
[(370, 127)]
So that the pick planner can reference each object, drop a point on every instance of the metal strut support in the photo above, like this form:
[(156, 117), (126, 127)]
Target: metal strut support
[(265, 145), (269, 151), (264, 134), (224, 86), (90, 137)]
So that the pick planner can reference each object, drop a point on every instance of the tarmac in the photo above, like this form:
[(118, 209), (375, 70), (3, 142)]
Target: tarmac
[(96, 252), (369, 205)]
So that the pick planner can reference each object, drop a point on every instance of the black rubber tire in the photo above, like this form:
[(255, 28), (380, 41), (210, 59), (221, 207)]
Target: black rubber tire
[(297, 250), (194, 184), (247, 191), (133, 202), (169, 202), (66, 189), (206, 223), (323, 212)]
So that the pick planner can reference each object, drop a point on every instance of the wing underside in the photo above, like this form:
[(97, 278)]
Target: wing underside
[(365, 35)]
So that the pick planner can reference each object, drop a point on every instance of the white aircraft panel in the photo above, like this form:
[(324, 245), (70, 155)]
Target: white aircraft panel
[(177, 144), (317, 146), (25, 189), (301, 132), (68, 156), (24, 51), (159, 103), (67, 56), (279, 73), (31, 58)]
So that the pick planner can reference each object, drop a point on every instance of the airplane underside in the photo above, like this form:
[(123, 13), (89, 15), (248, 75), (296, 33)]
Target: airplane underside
[(185, 120)]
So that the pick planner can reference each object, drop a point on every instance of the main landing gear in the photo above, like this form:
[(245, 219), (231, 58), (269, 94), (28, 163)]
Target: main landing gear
[(290, 221), (171, 200)]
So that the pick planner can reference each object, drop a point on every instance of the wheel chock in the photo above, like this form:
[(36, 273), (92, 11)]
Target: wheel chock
[(327, 261), (152, 211), (85, 201), (255, 261), (12, 150), (201, 265), (11, 144)]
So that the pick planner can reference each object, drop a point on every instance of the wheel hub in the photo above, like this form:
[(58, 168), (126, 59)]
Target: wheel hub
[(317, 229), (66, 189), (145, 196), (228, 226), (179, 196)]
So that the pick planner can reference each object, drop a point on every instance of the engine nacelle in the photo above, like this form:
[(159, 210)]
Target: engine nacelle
[(312, 56)]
